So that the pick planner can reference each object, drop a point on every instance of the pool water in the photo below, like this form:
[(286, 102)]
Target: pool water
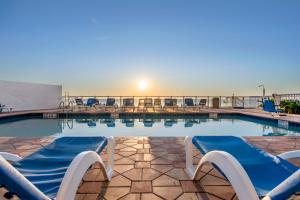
[(145, 126)]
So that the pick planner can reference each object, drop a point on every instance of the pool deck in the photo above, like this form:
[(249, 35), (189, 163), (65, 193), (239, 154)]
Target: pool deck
[(249, 112), (152, 168)]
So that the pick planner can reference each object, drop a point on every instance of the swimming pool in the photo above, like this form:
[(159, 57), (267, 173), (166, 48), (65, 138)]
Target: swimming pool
[(146, 125)]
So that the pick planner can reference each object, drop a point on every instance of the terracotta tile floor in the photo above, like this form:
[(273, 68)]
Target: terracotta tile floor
[(153, 168)]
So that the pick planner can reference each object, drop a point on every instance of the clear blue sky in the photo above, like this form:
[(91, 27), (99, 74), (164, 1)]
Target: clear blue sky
[(178, 47)]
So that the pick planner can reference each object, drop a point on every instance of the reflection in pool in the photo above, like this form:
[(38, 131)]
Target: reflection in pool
[(146, 126)]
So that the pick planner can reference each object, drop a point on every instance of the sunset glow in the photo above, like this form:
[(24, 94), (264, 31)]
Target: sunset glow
[(142, 85)]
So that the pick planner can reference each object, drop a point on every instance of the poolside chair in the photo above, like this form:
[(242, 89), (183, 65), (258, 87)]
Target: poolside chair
[(170, 104), (128, 104), (149, 103), (56, 170), (141, 105), (91, 102), (3, 108), (252, 172), (157, 105), (79, 105), (188, 103), (110, 104), (269, 106), (202, 102), (145, 104)]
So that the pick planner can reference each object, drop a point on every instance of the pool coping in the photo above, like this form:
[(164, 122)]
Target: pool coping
[(293, 120)]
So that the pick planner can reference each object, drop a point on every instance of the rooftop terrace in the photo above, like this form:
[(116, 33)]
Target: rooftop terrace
[(154, 167)]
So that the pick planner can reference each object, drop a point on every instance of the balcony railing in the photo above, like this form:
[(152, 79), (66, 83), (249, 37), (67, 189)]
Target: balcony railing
[(223, 101)]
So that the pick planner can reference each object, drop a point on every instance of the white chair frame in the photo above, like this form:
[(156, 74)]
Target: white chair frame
[(233, 170)]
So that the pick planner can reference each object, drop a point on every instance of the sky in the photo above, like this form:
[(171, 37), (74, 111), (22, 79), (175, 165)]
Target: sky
[(177, 47)]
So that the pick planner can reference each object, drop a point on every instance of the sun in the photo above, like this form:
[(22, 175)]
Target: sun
[(142, 85)]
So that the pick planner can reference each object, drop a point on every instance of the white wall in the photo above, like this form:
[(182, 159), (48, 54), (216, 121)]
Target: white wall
[(29, 96)]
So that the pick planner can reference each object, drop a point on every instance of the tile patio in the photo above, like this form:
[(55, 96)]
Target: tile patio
[(149, 168)]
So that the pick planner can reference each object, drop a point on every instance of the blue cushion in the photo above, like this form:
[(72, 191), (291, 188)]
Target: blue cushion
[(189, 102), (264, 170), (269, 106), (47, 167), (92, 101), (110, 102)]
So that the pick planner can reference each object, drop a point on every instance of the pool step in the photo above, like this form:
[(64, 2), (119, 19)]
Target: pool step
[(50, 116)]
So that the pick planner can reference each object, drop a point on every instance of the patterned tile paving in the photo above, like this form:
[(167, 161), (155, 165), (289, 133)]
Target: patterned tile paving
[(153, 168)]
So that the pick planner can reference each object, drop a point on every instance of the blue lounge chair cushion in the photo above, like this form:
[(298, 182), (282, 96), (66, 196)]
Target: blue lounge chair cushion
[(189, 102), (168, 102), (264, 170), (269, 106), (128, 102), (92, 101), (110, 102), (47, 167)]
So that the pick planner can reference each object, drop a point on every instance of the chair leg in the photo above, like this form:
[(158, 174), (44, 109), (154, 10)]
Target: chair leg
[(110, 154), (233, 171), (190, 169)]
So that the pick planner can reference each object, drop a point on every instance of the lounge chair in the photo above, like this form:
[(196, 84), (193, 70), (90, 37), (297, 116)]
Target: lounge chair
[(145, 104), (79, 105), (110, 104), (202, 102), (92, 102), (149, 104), (189, 103), (141, 105), (3, 108), (56, 170), (128, 104), (170, 104), (157, 105), (252, 172), (270, 106)]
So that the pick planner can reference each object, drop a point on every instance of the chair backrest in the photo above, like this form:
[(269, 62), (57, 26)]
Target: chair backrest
[(141, 102), (157, 102), (16, 183), (189, 102), (148, 102), (92, 101), (269, 106), (174, 102), (202, 102), (264, 170), (79, 102), (128, 102), (110, 102), (168, 102)]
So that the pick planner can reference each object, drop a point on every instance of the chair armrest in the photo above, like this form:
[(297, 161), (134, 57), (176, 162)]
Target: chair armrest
[(75, 172), (12, 172), (10, 157), (290, 154), (284, 187)]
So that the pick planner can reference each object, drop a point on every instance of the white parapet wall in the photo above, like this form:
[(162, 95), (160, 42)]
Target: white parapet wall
[(29, 96)]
